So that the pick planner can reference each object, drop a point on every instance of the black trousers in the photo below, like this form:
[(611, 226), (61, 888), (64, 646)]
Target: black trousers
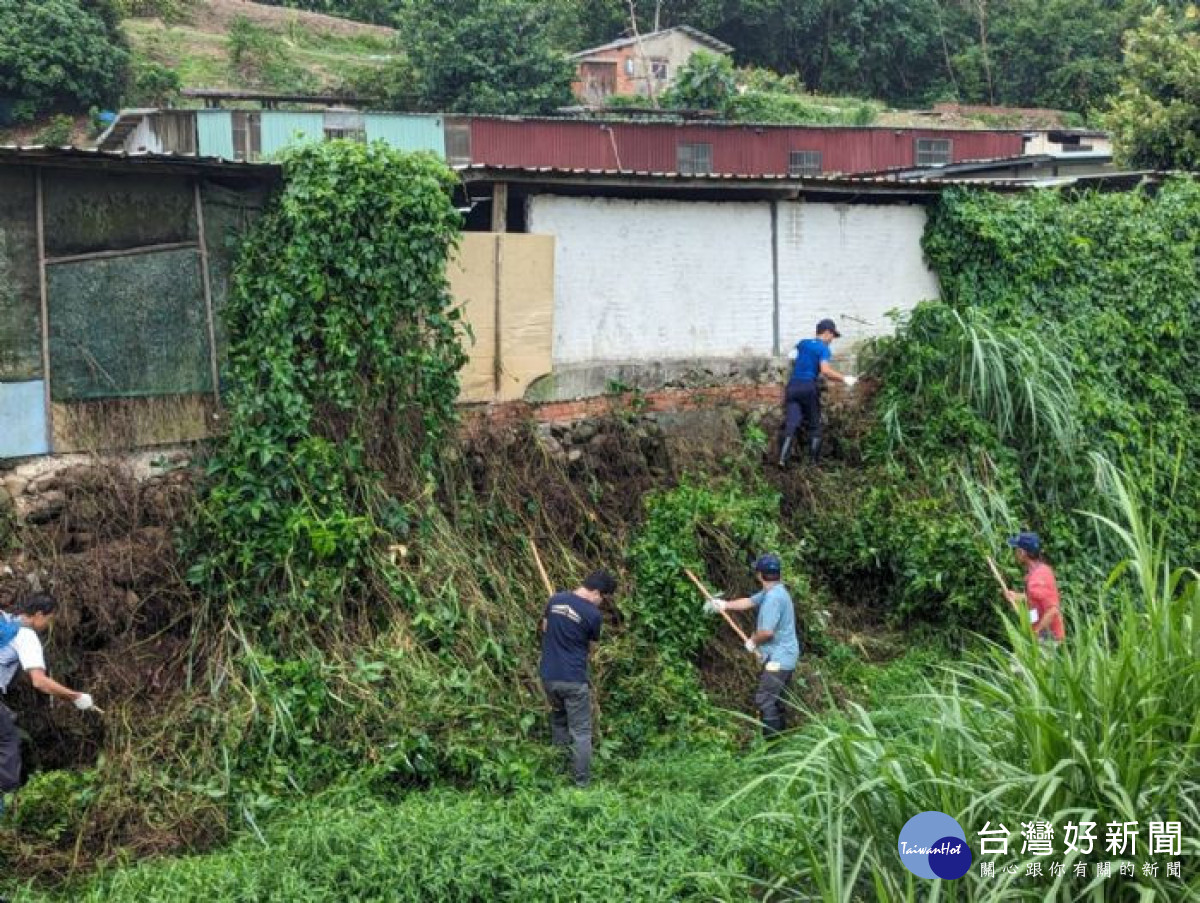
[(767, 700), (802, 406), (10, 751)]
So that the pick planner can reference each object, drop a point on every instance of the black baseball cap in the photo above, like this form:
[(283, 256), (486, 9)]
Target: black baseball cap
[(828, 325), (601, 582)]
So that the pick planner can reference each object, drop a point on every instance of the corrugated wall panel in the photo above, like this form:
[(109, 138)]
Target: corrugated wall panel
[(736, 149), (281, 128), (408, 133), (214, 133), (23, 419)]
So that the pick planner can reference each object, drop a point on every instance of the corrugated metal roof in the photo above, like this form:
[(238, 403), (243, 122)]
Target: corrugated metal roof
[(36, 152), (694, 33), (885, 183)]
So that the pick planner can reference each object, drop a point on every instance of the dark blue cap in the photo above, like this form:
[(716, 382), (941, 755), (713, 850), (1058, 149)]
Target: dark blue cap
[(768, 565), (1029, 542), (828, 325)]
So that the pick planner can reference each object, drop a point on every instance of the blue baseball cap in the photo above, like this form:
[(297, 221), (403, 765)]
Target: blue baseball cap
[(828, 325), (768, 565), (1026, 541)]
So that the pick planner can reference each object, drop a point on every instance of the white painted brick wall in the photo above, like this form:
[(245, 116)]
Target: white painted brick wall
[(852, 263), (657, 280), (641, 281)]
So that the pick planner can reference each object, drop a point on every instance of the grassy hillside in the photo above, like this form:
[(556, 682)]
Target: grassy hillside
[(240, 45)]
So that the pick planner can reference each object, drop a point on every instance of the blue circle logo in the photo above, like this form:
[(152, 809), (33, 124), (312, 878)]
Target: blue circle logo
[(934, 845)]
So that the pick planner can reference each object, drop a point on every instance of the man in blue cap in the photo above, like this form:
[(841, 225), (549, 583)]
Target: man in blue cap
[(1041, 590), (802, 397), (774, 639)]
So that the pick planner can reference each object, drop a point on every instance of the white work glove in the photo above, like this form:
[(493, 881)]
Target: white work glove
[(752, 646), (850, 381), (83, 702), (793, 354), (715, 605)]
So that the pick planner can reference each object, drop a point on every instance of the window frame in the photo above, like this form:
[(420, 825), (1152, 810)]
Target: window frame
[(928, 156), (799, 170), (689, 150)]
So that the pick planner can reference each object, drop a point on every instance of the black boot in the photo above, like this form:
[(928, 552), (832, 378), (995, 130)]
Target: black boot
[(814, 450), (784, 451)]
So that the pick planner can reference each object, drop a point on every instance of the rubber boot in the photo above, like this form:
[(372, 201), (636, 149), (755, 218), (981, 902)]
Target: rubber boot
[(814, 451), (784, 451)]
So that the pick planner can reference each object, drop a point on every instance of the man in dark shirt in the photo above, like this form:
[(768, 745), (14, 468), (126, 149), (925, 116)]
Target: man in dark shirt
[(570, 625), (802, 397)]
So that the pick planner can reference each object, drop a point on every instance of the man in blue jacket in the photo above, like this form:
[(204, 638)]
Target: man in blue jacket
[(774, 639), (802, 398), (570, 624)]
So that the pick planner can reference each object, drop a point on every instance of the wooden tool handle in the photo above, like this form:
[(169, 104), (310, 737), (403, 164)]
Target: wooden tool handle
[(730, 621), (996, 573), (541, 568)]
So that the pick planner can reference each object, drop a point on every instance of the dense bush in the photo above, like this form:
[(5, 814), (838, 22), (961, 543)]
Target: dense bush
[(1065, 329), (61, 53), (1106, 730)]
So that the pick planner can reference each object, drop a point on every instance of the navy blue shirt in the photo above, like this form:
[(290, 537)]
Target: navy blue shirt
[(809, 355), (572, 623)]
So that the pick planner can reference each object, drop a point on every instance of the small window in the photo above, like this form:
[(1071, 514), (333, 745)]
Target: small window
[(1076, 148), (247, 134), (346, 124), (693, 159), (934, 151), (804, 163), (658, 68), (458, 142), (629, 66), (359, 135)]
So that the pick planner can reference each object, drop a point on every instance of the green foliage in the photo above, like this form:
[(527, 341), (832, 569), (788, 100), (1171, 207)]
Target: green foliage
[(58, 133), (61, 53), (705, 82), (52, 802), (1014, 734), (681, 525), (260, 57), (1063, 332), (154, 84), (344, 339), (1155, 118), (485, 56), (167, 10), (657, 834)]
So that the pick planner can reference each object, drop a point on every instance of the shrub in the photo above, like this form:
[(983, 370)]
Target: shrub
[(58, 133), (61, 53)]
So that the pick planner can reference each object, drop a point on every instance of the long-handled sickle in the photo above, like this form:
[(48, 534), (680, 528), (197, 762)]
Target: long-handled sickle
[(732, 623)]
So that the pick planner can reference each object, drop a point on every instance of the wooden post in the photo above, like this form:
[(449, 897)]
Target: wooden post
[(500, 207), (497, 319), (40, 202), (202, 246)]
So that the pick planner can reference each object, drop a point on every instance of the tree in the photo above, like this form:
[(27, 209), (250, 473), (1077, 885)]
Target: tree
[(705, 82), (1155, 118), (62, 53), (485, 56)]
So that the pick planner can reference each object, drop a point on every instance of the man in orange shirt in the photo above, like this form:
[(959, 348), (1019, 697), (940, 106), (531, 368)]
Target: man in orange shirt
[(1041, 590)]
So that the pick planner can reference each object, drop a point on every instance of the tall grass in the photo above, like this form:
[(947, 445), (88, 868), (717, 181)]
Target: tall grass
[(1107, 729)]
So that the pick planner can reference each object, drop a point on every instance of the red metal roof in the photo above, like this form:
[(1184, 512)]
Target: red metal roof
[(736, 149)]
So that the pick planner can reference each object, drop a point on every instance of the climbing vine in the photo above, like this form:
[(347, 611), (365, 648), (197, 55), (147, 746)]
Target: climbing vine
[(343, 358)]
